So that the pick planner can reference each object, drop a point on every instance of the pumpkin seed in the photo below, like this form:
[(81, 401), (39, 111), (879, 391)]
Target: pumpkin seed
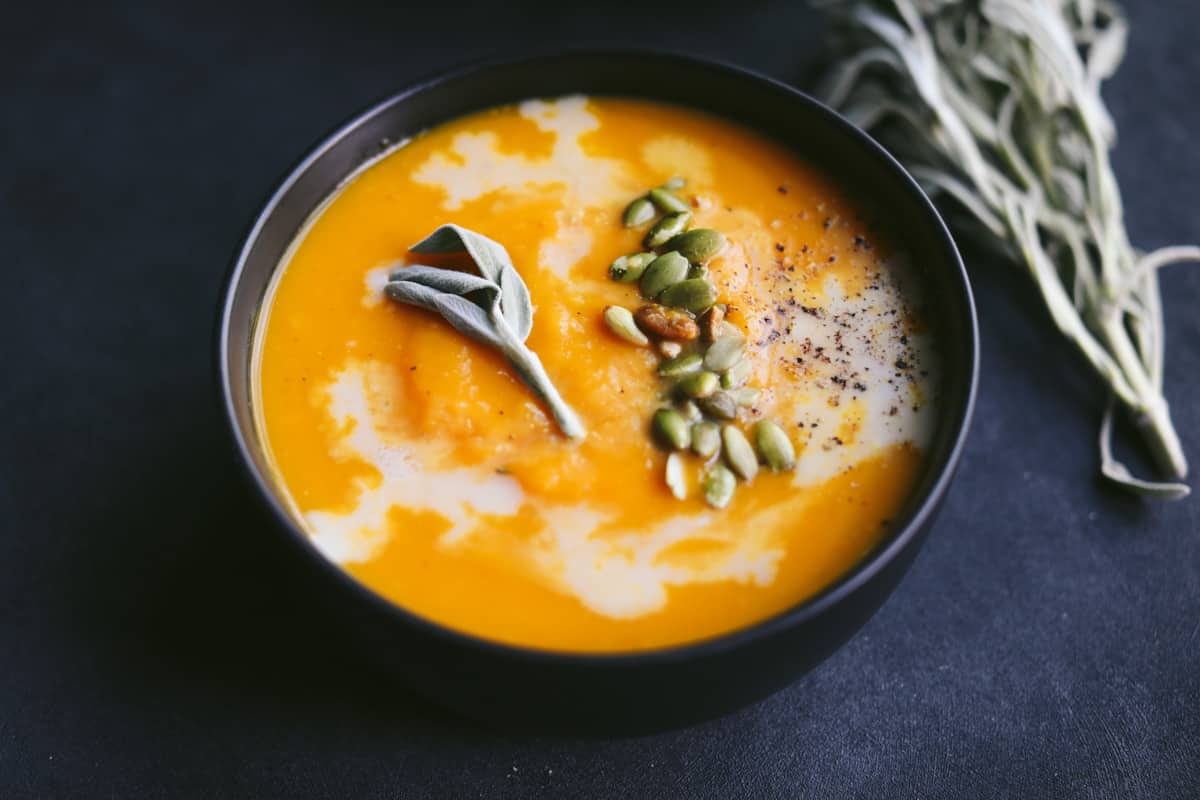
[(724, 353), (681, 365), (670, 429), (667, 202), (667, 323), (620, 321), (629, 268), (666, 229), (699, 384), (773, 445), (639, 212), (739, 455), (690, 411), (745, 396), (719, 484), (666, 270), (676, 481), (669, 349), (719, 404), (694, 294), (619, 269), (710, 322), (706, 439), (697, 271), (698, 245), (737, 375)]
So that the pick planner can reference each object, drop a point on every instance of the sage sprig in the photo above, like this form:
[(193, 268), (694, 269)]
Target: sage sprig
[(995, 106), (493, 308)]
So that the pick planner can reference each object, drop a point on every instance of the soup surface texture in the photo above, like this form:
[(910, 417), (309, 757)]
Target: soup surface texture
[(417, 461)]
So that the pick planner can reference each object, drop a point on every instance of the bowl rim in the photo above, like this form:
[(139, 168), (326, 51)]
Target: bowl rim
[(812, 607)]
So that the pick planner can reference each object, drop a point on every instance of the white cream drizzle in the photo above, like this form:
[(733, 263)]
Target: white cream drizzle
[(476, 167), (886, 413), (373, 282), (460, 495), (577, 550)]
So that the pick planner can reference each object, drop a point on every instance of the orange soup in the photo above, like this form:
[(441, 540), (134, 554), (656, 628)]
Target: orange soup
[(417, 460)]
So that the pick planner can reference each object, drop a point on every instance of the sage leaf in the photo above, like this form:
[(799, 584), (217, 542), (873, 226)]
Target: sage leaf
[(493, 308), (1117, 472), (493, 263), (446, 280), (466, 317)]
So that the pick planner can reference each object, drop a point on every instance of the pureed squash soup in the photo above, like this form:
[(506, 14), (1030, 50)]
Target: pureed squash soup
[(417, 459)]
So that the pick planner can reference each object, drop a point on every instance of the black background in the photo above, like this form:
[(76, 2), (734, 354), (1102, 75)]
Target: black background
[(1046, 643)]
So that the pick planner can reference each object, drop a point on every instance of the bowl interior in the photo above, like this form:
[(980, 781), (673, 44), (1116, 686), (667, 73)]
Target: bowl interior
[(843, 152)]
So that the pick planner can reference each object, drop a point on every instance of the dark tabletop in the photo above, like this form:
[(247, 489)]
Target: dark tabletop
[(1045, 644)]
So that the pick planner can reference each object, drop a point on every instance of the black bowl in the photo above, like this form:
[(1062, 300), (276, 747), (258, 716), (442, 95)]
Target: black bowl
[(523, 687)]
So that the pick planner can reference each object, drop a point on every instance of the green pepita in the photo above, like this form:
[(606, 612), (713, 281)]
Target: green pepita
[(666, 229), (676, 481), (699, 384), (699, 245), (727, 328), (724, 353), (697, 271), (639, 212), (710, 321), (719, 484), (719, 405), (670, 429), (773, 445), (620, 321), (666, 201), (681, 365), (666, 270), (706, 439), (739, 455), (745, 396), (629, 268), (690, 411), (737, 375), (694, 294), (619, 268)]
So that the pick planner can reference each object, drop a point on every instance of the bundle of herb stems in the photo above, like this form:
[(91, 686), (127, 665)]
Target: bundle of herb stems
[(995, 107)]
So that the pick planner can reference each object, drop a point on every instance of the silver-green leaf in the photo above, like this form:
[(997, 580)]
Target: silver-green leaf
[(449, 281), (467, 317), (494, 264)]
